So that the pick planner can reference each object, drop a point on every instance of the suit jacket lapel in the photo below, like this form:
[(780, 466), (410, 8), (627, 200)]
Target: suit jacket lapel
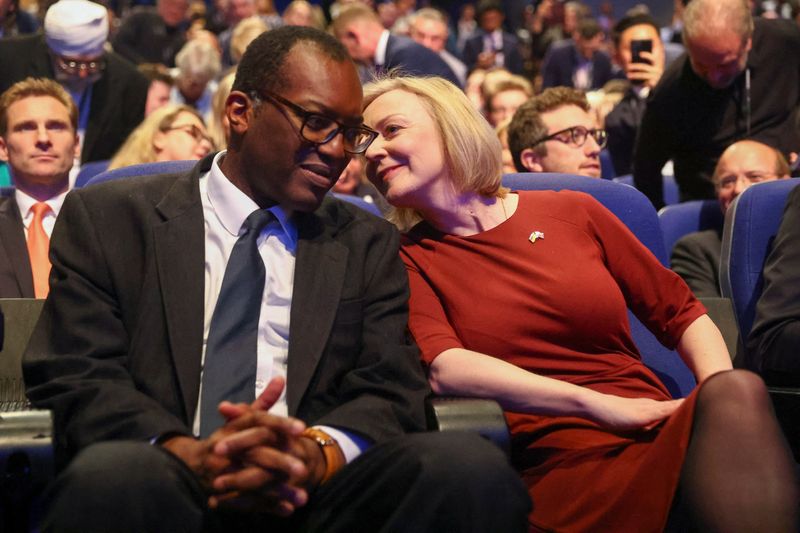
[(180, 260), (319, 276), (12, 234)]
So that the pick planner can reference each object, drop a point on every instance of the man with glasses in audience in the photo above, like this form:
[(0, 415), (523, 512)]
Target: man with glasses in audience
[(556, 132), (226, 349), (695, 257), (109, 92)]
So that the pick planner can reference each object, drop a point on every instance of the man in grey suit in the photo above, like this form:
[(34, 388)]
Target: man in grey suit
[(38, 139), (128, 349)]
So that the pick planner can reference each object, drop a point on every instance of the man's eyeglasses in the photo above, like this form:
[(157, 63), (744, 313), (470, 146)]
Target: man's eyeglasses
[(75, 67), (729, 182), (197, 134), (319, 129), (577, 136)]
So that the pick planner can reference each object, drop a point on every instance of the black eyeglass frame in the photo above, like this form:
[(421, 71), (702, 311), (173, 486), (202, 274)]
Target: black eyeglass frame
[(305, 115), (594, 132), (73, 67)]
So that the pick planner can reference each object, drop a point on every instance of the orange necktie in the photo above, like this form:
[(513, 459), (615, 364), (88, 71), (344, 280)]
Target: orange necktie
[(38, 246)]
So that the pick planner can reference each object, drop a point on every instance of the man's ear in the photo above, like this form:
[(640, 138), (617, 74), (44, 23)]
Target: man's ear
[(239, 110), (531, 160), (3, 150), (77, 151)]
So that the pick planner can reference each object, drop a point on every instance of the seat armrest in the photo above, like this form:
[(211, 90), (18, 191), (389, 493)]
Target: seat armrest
[(469, 414)]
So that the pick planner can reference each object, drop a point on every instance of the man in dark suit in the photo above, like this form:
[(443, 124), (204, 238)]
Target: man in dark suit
[(491, 46), (578, 62), (109, 91), (696, 256), (370, 44), (153, 276), (38, 140)]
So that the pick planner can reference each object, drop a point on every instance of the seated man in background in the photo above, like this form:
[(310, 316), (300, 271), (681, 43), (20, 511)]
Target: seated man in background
[(504, 98), (38, 139), (578, 62), (695, 257), (490, 46), (772, 348), (640, 53), (429, 28), (556, 132), (226, 349)]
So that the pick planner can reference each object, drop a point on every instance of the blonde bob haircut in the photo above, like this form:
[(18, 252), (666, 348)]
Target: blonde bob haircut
[(138, 147), (472, 151)]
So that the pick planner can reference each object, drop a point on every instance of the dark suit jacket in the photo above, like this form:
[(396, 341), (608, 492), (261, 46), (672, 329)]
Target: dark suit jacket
[(414, 59), (622, 124), (118, 98), (563, 58), (512, 58), (16, 279), (774, 344), (116, 353), (695, 258)]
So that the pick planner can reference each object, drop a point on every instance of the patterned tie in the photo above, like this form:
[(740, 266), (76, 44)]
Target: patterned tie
[(38, 246), (229, 369)]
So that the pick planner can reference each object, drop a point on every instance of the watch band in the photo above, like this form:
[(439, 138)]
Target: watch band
[(334, 458)]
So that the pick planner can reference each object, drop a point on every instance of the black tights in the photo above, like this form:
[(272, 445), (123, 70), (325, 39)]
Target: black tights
[(738, 474)]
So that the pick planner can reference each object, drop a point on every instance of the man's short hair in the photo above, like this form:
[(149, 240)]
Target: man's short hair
[(156, 72), (488, 5), (512, 83), (588, 28), (36, 87), (527, 126), (702, 16), (429, 13), (629, 21), (352, 13), (781, 164), (261, 64)]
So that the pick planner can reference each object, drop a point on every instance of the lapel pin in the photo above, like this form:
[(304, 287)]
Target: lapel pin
[(536, 235)]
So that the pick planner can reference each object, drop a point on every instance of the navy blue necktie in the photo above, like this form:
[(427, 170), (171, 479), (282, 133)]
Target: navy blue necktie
[(229, 369)]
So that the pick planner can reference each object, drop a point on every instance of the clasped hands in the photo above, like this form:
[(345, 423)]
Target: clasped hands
[(256, 462)]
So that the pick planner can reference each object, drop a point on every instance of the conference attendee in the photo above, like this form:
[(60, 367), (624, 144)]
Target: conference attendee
[(235, 12), (596, 436), (490, 46), (556, 132), (108, 90), (504, 98), (722, 91), (640, 53), (38, 140), (153, 34), (429, 27), (370, 44), (252, 327), (773, 342), (197, 67), (161, 82), (15, 21), (578, 62), (173, 132), (696, 257), (302, 13)]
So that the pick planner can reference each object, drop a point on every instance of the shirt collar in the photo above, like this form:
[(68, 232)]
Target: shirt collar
[(232, 206), (380, 51), (26, 201)]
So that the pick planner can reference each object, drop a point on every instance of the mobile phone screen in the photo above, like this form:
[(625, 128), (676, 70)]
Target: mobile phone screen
[(637, 47)]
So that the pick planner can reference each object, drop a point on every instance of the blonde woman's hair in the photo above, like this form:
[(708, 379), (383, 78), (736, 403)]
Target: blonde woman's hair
[(216, 127), (243, 34), (138, 147), (472, 151)]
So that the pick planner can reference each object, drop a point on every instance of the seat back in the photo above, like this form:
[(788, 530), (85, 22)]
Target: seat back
[(681, 219), (636, 212), (90, 170), (360, 202), (751, 223), (143, 169), (670, 187)]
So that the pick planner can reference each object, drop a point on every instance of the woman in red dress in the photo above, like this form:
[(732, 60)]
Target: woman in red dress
[(523, 298)]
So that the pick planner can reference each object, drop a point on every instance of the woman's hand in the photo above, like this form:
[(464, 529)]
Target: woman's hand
[(618, 413)]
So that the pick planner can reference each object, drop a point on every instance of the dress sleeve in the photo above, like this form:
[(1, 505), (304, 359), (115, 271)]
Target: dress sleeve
[(656, 295)]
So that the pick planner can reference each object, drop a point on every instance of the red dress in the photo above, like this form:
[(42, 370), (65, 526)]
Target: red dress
[(558, 307)]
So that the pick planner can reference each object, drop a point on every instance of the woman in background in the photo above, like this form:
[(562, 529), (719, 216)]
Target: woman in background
[(523, 297)]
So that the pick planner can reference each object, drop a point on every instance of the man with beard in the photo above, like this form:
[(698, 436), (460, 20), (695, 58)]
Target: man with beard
[(109, 92)]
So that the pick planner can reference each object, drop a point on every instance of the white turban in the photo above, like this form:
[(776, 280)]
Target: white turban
[(76, 28)]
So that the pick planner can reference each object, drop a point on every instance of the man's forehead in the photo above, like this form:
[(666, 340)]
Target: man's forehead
[(639, 31), (35, 105), (748, 157), (567, 116)]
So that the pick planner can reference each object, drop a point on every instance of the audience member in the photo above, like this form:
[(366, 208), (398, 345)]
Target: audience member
[(198, 65), (474, 88), (545, 29), (15, 21), (219, 129), (235, 12), (161, 83), (465, 26), (153, 34), (772, 346), (131, 351), (369, 43), (556, 132), (505, 97), (108, 90), (490, 46), (302, 13), (639, 52), (243, 34), (354, 182), (578, 62), (696, 257), (38, 139), (726, 88), (502, 135), (171, 133), (429, 28), (546, 333)]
